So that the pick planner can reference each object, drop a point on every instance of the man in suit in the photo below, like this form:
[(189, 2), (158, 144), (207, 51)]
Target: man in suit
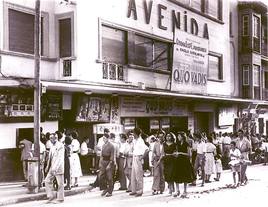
[(244, 146), (107, 164), (157, 155), (55, 169)]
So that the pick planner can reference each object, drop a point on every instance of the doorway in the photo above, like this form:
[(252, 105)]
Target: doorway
[(144, 124), (178, 124), (202, 122)]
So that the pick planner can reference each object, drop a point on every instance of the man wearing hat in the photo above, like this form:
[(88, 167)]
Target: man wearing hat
[(244, 146)]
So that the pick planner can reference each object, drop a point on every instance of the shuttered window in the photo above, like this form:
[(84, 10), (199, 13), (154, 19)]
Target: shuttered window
[(21, 32), (65, 37)]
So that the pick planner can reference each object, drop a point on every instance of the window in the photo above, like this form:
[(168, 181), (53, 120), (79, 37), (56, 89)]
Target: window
[(65, 37), (151, 53), (196, 4), (256, 75), (256, 81), (256, 26), (231, 24), (21, 32), (266, 79), (114, 47), (121, 47), (245, 25), (215, 67), (245, 75), (212, 8), (185, 2)]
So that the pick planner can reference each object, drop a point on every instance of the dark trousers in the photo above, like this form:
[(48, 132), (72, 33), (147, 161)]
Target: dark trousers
[(106, 176), (67, 174), (121, 173), (243, 173)]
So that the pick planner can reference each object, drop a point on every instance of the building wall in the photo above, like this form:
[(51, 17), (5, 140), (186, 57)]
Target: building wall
[(115, 12), (8, 136), (87, 41)]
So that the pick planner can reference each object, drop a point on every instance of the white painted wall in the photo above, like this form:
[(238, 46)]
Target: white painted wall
[(86, 40), (24, 67), (8, 132), (115, 11)]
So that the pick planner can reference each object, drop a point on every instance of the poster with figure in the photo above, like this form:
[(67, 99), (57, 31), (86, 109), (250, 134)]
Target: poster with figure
[(93, 109), (82, 109)]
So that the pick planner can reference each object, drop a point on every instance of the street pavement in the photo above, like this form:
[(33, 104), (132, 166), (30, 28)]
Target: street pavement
[(212, 194)]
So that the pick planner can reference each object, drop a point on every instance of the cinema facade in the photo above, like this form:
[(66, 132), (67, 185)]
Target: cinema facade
[(162, 64)]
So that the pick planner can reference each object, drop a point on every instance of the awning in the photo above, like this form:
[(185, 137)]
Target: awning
[(126, 90)]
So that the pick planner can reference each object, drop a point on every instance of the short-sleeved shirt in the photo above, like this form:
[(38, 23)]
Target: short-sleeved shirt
[(108, 151), (235, 152), (139, 147), (201, 147), (27, 149)]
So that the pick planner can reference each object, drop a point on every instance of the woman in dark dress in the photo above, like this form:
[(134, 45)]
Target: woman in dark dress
[(169, 150), (183, 170)]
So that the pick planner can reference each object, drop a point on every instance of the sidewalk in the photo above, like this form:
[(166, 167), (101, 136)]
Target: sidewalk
[(11, 193)]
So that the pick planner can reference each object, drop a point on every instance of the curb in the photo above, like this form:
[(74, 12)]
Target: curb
[(41, 196)]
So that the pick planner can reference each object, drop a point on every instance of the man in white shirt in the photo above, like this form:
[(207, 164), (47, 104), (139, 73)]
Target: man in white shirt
[(140, 149), (55, 169), (226, 141), (121, 162), (200, 158), (245, 148)]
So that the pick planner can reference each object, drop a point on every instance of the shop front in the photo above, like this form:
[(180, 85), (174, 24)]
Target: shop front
[(16, 124), (153, 113)]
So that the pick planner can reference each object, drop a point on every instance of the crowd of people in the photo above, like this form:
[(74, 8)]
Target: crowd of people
[(171, 158), (59, 162)]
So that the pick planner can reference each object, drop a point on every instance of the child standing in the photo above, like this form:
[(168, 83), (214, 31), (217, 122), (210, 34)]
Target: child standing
[(235, 155), (218, 163)]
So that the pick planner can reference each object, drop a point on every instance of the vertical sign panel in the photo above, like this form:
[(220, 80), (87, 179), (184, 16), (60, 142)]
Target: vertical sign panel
[(190, 63)]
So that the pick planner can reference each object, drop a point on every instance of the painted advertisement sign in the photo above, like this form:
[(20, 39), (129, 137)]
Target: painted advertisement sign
[(146, 107), (190, 63)]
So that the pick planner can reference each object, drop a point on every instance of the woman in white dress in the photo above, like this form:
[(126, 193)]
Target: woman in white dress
[(210, 161), (75, 165)]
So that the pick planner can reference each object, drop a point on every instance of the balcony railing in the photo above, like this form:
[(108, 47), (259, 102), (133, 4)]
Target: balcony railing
[(112, 71)]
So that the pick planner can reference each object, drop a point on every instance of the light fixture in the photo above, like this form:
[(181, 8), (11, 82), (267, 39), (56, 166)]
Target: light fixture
[(88, 92), (114, 94)]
